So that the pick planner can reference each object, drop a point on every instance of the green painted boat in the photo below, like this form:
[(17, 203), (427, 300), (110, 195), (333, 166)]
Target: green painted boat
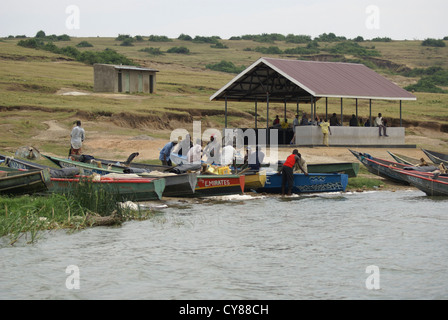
[(87, 168), (126, 189), (349, 168), (18, 182)]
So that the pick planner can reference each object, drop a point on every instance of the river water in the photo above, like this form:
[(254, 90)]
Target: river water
[(371, 245)]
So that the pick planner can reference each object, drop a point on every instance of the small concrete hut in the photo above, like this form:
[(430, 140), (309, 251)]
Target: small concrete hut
[(126, 79)]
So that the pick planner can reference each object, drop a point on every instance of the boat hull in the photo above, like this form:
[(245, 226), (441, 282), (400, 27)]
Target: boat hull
[(219, 185), (429, 183), (436, 157), (254, 181), (87, 169), (311, 183), (133, 189), (25, 182), (176, 185)]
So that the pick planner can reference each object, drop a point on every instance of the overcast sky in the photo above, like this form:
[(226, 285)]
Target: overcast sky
[(397, 19)]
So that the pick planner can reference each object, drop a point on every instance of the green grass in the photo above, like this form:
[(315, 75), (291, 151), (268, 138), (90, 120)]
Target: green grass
[(27, 216)]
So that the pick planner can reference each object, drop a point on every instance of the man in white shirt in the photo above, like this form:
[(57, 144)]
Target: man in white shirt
[(77, 138), (228, 154), (380, 124)]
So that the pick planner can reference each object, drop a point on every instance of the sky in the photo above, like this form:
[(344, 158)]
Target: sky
[(398, 19)]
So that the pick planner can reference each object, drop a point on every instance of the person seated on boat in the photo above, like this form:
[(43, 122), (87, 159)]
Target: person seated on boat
[(255, 159), (194, 155), (288, 172), (422, 163), (165, 153)]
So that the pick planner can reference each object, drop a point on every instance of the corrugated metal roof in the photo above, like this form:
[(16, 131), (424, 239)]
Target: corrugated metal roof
[(123, 67), (290, 80)]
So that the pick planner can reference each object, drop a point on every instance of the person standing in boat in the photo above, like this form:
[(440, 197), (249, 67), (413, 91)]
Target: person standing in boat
[(77, 137), (288, 171), (165, 153)]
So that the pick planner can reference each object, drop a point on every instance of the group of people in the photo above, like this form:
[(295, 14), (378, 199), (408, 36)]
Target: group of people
[(212, 153)]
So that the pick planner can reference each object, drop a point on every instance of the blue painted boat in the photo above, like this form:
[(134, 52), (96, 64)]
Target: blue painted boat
[(311, 183)]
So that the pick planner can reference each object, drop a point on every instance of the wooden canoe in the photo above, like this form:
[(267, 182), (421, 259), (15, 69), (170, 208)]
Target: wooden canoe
[(219, 185), (385, 168), (349, 168), (311, 183), (126, 189), (437, 157), (24, 182)]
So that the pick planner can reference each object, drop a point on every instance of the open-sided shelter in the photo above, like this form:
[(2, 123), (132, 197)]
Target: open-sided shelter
[(297, 81)]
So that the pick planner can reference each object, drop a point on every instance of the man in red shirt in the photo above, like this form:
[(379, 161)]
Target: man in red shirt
[(288, 171)]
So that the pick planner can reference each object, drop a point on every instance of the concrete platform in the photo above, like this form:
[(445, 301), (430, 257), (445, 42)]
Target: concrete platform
[(309, 136)]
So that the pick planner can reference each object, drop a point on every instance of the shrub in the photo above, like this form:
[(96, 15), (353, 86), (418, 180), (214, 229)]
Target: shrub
[(291, 38), (433, 43), (425, 84), (32, 43), (84, 44), (154, 38), (353, 48), (128, 42), (269, 50), (330, 37), (40, 34), (153, 51), (122, 37), (180, 50), (384, 39), (225, 66), (219, 45), (212, 40), (185, 37)]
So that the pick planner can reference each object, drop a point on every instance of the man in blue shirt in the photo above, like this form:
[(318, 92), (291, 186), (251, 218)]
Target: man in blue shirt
[(165, 153)]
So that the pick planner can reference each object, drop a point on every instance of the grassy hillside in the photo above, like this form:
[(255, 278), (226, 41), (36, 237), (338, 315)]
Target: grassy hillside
[(33, 83)]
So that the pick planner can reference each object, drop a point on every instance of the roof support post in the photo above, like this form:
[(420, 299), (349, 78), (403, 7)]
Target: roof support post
[(226, 114), (256, 114), (285, 109), (297, 106), (370, 112), (357, 121), (267, 117), (342, 114), (326, 108), (401, 119), (312, 108)]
